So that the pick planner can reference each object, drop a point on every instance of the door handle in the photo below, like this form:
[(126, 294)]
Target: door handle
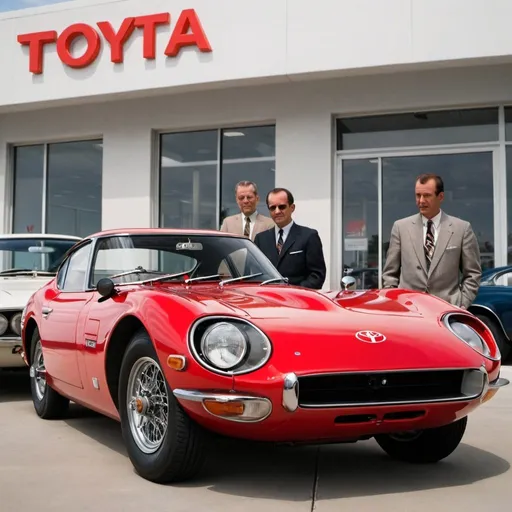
[(46, 311)]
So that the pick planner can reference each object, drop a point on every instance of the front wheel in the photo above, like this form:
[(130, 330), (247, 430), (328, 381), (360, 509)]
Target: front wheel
[(501, 341), (47, 402), (163, 444), (424, 446)]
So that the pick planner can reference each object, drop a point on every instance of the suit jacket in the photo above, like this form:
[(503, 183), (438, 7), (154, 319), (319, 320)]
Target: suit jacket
[(233, 224), (301, 259), (455, 271)]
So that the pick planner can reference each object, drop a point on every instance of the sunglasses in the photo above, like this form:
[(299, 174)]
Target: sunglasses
[(280, 206)]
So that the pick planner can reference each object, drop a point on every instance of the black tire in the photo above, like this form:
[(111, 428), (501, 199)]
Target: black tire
[(47, 402), (181, 452), (426, 446), (502, 342)]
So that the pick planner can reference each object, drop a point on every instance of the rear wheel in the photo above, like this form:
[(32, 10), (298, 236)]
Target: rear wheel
[(424, 446), (47, 402), (163, 444), (502, 342)]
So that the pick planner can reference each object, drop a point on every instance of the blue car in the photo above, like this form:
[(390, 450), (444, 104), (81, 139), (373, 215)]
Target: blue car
[(493, 305)]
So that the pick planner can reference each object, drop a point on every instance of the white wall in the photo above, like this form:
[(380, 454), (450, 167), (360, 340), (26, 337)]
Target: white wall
[(302, 112), (271, 40)]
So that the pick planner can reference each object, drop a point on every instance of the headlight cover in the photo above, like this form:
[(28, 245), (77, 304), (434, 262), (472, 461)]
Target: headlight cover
[(229, 346), (4, 324), (468, 334)]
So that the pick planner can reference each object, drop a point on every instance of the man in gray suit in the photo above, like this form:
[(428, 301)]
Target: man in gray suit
[(432, 251), (248, 222)]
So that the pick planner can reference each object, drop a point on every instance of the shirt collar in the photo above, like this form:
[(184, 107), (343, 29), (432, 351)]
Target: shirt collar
[(286, 229), (252, 216), (436, 220)]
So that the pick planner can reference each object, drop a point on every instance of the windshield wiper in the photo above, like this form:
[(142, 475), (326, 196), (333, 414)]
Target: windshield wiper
[(192, 279), (163, 278), (274, 280), (138, 270), (239, 278), (24, 271)]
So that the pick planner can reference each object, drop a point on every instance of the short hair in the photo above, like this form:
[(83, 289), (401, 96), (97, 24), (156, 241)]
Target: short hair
[(289, 195), (246, 183), (423, 178)]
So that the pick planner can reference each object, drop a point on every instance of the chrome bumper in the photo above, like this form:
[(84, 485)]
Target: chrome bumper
[(229, 406), (498, 383)]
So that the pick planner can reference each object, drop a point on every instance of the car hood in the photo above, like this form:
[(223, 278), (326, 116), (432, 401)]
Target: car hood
[(15, 291), (315, 331)]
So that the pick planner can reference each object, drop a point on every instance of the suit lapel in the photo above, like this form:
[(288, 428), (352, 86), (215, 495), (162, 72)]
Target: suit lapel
[(270, 241), (290, 240), (445, 233), (238, 229), (416, 232)]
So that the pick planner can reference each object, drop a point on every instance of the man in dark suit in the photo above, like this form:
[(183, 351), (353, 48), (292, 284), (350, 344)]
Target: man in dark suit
[(296, 251)]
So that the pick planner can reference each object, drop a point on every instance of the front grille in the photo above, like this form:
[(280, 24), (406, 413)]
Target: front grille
[(380, 388)]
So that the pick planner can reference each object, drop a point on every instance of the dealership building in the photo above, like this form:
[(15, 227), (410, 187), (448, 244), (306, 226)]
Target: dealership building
[(127, 114)]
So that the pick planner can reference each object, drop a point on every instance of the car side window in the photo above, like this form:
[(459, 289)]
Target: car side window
[(62, 274), (504, 279), (76, 271)]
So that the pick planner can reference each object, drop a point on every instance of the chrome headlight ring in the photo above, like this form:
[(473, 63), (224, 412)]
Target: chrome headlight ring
[(467, 334), (228, 345)]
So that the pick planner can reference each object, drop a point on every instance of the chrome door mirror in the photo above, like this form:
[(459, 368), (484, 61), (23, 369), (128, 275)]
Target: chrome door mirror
[(348, 283)]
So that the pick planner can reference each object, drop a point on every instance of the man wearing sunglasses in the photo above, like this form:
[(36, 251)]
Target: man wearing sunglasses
[(296, 251)]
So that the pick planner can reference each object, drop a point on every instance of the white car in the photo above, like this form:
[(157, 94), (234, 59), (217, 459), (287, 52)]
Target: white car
[(27, 262)]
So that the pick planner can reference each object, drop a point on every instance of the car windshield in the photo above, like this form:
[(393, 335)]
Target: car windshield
[(196, 258), (18, 255)]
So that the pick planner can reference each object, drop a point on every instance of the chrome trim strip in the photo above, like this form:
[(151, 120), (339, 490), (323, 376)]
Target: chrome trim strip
[(498, 383), (404, 370), (291, 392), (9, 339)]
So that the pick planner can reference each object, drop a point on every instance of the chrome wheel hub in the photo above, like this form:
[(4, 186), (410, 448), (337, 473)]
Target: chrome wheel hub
[(148, 405), (38, 372)]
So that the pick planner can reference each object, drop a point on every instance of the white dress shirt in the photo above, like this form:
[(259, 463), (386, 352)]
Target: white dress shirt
[(286, 230), (253, 221), (435, 226)]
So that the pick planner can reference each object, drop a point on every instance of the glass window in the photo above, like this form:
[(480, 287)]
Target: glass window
[(68, 185), (468, 193), (188, 180), (508, 123), (509, 204), (247, 154), (74, 188), (28, 184), (77, 270), (189, 177), (360, 222), (418, 129)]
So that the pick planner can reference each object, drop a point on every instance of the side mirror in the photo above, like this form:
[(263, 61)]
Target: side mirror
[(348, 283), (106, 288)]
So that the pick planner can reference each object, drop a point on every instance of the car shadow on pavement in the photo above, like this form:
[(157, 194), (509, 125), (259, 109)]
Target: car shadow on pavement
[(14, 386)]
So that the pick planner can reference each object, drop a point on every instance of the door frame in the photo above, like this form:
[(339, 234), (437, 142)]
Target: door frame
[(499, 176)]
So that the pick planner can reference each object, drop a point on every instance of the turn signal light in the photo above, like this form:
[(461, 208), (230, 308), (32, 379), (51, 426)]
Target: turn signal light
[(224, 408), (177, 363), (489, 395)]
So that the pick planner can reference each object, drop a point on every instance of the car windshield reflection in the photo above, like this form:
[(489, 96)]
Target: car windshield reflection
[(26, 255), (180, 258)]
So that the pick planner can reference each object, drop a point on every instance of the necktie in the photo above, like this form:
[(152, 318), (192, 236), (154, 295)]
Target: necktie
[(429, 243), (247, 229), (280, 241)]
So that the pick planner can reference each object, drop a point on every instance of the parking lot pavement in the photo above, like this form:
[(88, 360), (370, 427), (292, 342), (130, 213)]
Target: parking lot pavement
[(80, 464)]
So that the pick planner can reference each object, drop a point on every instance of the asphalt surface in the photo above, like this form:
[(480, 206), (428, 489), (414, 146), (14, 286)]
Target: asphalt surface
[(80, 464)]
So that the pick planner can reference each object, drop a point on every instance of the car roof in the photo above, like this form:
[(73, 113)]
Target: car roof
[(38, 236), (161, 231)]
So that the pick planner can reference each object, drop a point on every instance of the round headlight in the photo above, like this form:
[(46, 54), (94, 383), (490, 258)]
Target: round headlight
[(470, 336), (224, 345), (4, 323), (16, 323)]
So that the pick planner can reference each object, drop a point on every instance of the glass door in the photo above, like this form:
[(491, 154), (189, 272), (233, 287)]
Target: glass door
[(378, 191)]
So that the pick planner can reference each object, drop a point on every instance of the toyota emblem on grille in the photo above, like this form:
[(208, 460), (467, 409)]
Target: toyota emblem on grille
[(370, 337)]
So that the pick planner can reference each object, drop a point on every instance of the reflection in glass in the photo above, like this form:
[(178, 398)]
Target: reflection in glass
[(468, 183), (508, 123), (509, 204), (188, 180), (74, 187), (247, 154), (360, 221), (28, 186), (418, 129)]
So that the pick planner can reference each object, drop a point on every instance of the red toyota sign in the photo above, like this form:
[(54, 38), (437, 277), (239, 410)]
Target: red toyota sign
[(188, 31)]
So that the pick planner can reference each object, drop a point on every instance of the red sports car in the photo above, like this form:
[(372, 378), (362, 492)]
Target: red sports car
[(178, 334)]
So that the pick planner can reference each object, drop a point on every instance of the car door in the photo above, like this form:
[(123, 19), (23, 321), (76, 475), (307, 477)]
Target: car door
[(62, 312)]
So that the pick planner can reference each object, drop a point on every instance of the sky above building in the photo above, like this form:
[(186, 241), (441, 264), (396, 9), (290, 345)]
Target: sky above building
[(13, 5)]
